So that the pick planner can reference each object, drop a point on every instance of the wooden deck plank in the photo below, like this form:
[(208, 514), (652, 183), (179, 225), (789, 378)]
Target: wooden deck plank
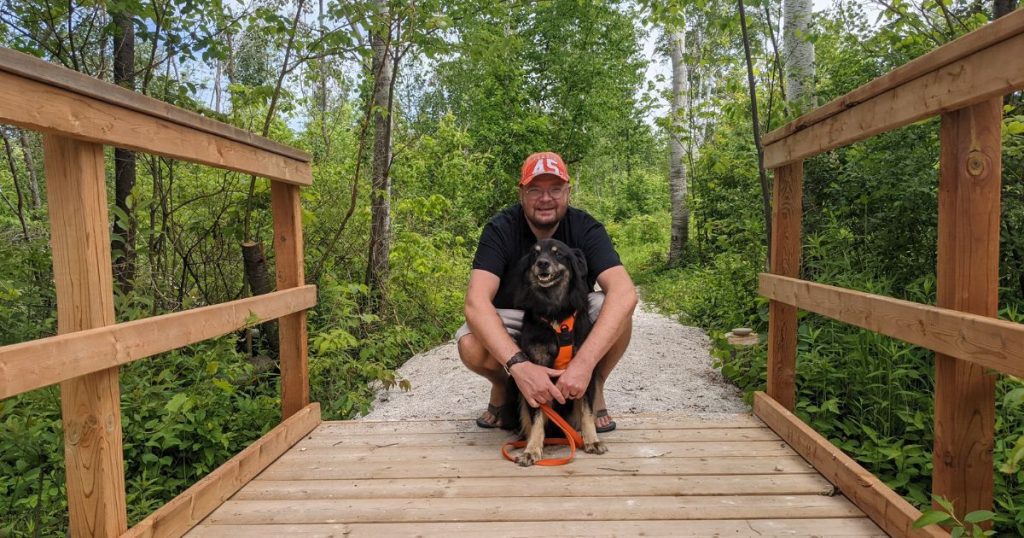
[(629, 422), (522, 486), (530, 509), (337, 468), (389, 452), (765, 528), (495, 437)]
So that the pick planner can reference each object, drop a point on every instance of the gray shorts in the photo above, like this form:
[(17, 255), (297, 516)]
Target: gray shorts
[(513, 319)]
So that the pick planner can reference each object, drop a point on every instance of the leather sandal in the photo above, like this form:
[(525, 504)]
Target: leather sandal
[(607, 427), (495, 412)]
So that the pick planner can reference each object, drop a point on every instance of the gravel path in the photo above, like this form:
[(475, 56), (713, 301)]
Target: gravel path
[(667, 368)]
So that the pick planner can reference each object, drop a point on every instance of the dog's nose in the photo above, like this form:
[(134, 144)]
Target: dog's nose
[(543, 265)]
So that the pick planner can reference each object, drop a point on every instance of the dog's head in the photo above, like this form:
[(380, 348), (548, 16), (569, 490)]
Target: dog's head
[(552, 270)]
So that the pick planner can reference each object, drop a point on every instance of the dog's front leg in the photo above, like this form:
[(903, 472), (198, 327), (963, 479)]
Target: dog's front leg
[(533, 421), (583, 414)]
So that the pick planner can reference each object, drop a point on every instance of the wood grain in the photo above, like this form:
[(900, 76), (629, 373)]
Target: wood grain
[(884, 506), (287, 212), (787, 217), (43, 362), (33, 68), (847, 527), (55, 110), (184, 511), (90, 404), (968, 280), (990, 72), (980, 39), (988, 342), (524, 486), (527, 509)]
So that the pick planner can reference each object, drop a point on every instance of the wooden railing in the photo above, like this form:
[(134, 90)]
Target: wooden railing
[(963, 81), (78, 116)]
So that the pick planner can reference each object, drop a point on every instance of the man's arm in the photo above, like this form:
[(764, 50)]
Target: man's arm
[(534, 381), (619, 303)]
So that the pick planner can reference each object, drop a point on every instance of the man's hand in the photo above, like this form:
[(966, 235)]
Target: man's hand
[(574, 382), (535, 383)]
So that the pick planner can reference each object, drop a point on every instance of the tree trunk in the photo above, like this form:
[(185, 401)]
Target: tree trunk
[(677, 173), (384, 68), (20, 210), (122, 241), (1002, 7), (766, 197), (799, 54), (30, 166)]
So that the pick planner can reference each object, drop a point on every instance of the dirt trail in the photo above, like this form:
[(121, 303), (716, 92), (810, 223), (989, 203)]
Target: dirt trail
[(667, 368)]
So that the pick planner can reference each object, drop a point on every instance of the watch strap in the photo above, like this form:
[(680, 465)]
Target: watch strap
[(516, 359)]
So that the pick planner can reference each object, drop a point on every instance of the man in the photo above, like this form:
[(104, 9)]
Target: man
[(486, 343)]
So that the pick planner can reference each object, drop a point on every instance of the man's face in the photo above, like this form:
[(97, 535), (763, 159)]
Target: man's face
[(543, 204)]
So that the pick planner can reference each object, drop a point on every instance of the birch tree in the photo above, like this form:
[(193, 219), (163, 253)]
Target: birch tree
[(677, 173), (798, 54)]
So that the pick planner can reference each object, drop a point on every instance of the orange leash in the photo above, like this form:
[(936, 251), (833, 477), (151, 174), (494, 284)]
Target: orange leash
[(572, 438)]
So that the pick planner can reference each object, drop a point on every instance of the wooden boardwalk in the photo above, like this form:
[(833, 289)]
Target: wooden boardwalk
[(662, 476)]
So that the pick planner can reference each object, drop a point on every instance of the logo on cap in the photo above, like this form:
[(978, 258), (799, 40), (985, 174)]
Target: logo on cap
[(541, 164)]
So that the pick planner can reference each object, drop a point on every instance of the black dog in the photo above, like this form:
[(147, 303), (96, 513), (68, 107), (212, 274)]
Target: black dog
[(552, 290)]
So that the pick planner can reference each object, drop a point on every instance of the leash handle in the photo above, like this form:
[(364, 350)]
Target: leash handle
[(572, 438)]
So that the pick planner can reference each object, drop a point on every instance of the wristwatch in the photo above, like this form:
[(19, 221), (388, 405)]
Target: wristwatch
[(516, 359)]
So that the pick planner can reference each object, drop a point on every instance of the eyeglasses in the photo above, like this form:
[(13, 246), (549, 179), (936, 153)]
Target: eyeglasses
[(554, 192)]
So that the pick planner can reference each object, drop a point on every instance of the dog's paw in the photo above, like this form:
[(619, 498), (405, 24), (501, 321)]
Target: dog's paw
[(596, 447), (527, 459)]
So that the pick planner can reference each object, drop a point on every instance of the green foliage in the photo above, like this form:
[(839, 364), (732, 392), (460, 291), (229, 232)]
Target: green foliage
[(970, 526)]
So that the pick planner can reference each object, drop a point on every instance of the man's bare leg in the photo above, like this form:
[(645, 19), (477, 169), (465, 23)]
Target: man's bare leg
[(604, 369), (475, 356)]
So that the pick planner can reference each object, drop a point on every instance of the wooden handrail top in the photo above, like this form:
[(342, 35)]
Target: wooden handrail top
[(40, 363), (30, 67), (992, 33), (990, 342)]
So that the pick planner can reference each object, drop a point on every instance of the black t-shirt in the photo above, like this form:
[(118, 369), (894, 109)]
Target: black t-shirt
[(508, 237)]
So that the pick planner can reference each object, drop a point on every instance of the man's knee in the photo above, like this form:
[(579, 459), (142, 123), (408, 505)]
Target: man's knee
[(471, 350)]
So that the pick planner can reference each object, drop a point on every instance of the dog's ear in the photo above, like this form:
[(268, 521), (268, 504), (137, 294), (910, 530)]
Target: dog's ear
[(579, 264)]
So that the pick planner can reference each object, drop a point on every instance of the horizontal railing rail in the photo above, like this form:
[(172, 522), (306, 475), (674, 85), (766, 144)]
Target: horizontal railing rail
[(966, 71), (40, 363), (37, 95), (990, 342)]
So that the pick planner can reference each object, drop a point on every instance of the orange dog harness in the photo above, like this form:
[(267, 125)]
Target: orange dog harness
[(564, 332)]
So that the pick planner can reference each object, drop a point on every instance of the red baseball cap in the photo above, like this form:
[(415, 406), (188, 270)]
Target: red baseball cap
[(544, 163)]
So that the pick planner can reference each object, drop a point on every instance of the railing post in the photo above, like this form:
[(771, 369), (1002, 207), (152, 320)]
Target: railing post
[(787, 214), (968, 280), (90, 404), (287, 212)]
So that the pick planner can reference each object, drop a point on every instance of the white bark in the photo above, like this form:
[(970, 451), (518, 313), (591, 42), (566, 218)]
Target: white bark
[(798, 54), (677, 173)]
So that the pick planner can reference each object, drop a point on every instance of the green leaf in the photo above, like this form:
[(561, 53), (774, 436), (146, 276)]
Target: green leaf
[(978, 516), (957, 532), (931, 517), (174, 405)]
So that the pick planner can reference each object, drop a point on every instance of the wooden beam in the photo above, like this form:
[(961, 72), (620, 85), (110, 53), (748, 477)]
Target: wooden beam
[(988, 342), (90, 404), (188, 509), (787, 215), (991, 72), (30, 67), (287, 212), (38, 106), (980, 39), (39, 363), (968, 280), (884, 506)]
